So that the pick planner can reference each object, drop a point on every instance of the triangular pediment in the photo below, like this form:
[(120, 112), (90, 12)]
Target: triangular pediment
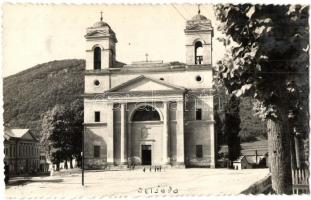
[(19, 133), (197, 27), (28, 136), (96, 34), (145, 84)]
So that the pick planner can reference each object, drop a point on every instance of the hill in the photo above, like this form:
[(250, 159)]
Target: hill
[(28, 94)]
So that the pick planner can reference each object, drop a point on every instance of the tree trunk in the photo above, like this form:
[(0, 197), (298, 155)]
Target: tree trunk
[(57, 166), (293, 153), (66, 164), (279, 152), (71, 166), (297, 151)]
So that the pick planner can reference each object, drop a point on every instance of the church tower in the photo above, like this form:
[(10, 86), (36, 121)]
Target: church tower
[(199, 33), (101, 50)]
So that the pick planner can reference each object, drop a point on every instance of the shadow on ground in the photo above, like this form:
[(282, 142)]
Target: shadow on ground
[(23, 182)]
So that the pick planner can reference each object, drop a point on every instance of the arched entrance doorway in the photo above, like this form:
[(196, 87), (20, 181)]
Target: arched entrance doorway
[(146, 134)]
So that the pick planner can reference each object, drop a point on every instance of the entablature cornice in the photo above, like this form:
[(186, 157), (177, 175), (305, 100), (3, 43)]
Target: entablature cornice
[(111, 95), (135, 70), (142, 99)]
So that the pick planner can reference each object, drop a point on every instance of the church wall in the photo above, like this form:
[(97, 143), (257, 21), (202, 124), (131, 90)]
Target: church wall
[(90, 106), (203, 36), (91, 88), (198, 133), (105, 53), (149, 133), (185, 79), (190, 49), (96, 135)]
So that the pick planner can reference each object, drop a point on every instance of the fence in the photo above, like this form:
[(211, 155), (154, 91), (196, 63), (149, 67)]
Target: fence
[(300, 178)]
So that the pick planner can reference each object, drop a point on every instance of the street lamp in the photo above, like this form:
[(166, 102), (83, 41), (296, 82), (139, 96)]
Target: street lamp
[(82, 154)]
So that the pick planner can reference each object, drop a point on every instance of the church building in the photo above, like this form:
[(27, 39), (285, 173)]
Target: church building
[(150, 112)]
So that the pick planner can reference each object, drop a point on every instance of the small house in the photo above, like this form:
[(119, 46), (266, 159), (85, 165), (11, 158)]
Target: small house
[(241, 163)]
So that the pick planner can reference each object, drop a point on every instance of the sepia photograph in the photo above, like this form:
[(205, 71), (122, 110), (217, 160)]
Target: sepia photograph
[(149, 100)]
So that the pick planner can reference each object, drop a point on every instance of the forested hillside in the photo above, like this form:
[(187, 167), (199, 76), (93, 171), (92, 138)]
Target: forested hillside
[(30, 93)]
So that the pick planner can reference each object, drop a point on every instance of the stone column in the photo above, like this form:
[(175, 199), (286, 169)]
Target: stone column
[(129, 151), (180, 157), (122, 135), (110, 156), (165, 132)]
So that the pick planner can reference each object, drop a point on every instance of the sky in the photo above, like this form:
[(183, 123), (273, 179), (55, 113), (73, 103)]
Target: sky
[(34, 33)]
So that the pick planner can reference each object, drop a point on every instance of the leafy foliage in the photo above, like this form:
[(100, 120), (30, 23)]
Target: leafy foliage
[(32, 92), (252, 127), (232, 128), (62, 132), (268, 59), (269, 50)]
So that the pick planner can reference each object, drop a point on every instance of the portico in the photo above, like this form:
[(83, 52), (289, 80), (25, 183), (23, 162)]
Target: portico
[(142, 122)]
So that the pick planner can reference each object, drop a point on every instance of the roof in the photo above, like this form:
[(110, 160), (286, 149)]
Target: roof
[(199, 17), (143, 77), (249, 148), (240, 159), (100, 24), (17, 133)]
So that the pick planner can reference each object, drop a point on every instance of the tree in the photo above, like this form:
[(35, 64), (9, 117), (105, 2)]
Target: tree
[(232, 128), (48, 120), (268, 49), (62, 132), (76, 110)]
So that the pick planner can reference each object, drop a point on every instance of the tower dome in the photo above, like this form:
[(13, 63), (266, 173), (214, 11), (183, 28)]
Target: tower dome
[(198, 17), (100, 24)]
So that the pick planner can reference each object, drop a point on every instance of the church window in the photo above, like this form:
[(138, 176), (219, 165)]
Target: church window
[(198, 114), (96, 82), (96, 151), (97, 58), (198, 53), (146, 113), (199, 151), (198, 78), (97, 116)]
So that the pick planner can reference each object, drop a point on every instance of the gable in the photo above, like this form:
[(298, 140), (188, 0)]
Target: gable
[(96, 34), (197, 27), (28, 136), (144, 84)]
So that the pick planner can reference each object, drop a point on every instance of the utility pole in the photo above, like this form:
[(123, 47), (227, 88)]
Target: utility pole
[(82, 160)]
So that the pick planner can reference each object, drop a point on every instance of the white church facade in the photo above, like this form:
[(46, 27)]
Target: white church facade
[(158, 113)]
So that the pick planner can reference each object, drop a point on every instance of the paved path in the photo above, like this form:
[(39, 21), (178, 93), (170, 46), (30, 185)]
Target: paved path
[(138, 183)]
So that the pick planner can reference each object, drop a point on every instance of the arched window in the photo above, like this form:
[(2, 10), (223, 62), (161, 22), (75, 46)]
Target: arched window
[(146, 113), (198, 53), (97, 58)]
